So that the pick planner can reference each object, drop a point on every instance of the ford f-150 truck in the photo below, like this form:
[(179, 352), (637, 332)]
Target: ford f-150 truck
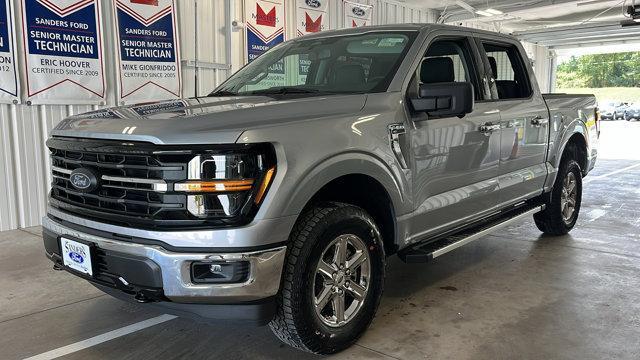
[(277, 198)]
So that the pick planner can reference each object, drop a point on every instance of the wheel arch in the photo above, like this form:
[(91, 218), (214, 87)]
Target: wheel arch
[(576, 146), (358, 179)]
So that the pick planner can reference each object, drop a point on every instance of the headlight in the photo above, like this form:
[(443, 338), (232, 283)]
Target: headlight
[(228, 184)]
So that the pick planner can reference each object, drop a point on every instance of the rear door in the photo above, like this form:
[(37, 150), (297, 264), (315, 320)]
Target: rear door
[(454, 160), (524, 119)]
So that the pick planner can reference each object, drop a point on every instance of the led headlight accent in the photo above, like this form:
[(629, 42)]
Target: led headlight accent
[(264, 185), (228, 184), (215, 186)]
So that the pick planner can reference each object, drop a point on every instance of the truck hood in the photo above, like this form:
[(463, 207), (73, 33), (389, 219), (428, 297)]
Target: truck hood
[(210, 120)]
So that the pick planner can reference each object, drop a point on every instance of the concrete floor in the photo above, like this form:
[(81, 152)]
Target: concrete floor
[(512, 295)]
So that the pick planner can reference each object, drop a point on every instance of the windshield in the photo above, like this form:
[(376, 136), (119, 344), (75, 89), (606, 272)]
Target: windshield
[(361, 63)]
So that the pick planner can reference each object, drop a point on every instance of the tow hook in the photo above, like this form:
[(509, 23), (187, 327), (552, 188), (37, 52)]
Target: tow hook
[(57, 267), (142, 298)]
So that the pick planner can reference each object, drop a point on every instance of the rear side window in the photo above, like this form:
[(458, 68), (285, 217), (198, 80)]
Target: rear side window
[(508, 71)]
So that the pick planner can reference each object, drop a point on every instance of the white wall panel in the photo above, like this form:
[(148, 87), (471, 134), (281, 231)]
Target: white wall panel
[(8, 200), (24, 163)]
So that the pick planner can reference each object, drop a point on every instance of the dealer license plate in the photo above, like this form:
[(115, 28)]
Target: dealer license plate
[(76, 256)]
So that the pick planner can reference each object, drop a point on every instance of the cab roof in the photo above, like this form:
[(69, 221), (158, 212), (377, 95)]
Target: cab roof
[(401, 27)]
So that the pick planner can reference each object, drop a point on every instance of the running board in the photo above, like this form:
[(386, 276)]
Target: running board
[(431, 250)]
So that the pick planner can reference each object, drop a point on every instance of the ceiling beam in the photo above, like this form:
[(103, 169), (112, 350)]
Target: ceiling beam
[(590, 41), (507, 6), (626, 31), (559, 30), (588, 45)]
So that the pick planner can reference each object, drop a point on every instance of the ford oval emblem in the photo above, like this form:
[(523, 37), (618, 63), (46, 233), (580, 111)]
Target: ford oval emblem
[(76, 257), (357, 11), (83, 179), (80, 181), (313, 3)]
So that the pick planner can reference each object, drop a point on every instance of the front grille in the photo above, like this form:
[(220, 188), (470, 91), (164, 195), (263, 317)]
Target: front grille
[(135, 183)]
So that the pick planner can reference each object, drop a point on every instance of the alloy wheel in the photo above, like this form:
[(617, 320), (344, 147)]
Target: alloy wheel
[(341, 280), (569, 197)]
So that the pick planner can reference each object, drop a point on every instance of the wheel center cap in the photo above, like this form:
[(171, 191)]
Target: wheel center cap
[(340, 278)]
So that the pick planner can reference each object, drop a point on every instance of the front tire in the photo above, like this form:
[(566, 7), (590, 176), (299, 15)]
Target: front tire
[(563, 206), (332, 279)]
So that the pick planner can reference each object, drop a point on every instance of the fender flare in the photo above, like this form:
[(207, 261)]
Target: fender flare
[(575, 127), (348, 163)]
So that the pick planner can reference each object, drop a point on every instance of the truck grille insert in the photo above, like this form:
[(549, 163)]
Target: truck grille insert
[(134, 183)]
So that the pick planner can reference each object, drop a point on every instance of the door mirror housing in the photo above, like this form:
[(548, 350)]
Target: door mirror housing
[(444, 99)]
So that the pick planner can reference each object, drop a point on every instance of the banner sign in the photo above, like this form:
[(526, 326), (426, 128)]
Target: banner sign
[(63, 51), (149, 56), (265, 25), (356, 14), (8, 74), (312, 16)]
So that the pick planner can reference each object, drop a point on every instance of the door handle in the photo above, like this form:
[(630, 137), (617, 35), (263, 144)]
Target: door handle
[(539, 121), (488, 128)]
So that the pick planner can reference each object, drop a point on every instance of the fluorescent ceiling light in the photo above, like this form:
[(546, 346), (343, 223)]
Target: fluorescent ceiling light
[(484, 13), (494, 11), (588, 2)]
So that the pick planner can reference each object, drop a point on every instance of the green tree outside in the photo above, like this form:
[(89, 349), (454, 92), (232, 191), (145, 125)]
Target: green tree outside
[(600, 70)]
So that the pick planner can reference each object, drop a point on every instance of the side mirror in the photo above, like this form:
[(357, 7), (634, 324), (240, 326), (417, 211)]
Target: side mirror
[(444, 99)]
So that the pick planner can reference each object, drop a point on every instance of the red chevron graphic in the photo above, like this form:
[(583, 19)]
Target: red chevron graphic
[(353, 23), (265, 19), (261, 36), (66, 10), (145, 2), (136, 15), (310, 25)]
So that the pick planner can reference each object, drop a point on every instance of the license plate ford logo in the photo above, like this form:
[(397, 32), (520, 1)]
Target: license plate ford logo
[(76, 257)]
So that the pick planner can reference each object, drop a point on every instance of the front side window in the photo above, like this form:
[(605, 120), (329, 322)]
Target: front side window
[(508, 71), (348, 64), (449, 61)]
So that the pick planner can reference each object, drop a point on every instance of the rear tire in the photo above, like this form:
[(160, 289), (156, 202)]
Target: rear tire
[(563, 205), (313, 275)]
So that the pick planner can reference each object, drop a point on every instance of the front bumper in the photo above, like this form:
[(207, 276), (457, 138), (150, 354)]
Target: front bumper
[(165, 275)]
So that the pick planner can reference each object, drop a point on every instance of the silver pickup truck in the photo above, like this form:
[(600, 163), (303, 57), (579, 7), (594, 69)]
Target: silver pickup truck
[(277, 198)]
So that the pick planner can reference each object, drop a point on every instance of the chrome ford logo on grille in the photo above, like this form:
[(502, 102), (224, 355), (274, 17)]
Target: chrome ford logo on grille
[(83, 179)]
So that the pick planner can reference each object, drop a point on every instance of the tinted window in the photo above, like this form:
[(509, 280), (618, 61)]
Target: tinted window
[(508, 71), (340, 64), (448, 61)]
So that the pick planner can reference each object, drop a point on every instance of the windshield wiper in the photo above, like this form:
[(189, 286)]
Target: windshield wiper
[(223, 93)]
